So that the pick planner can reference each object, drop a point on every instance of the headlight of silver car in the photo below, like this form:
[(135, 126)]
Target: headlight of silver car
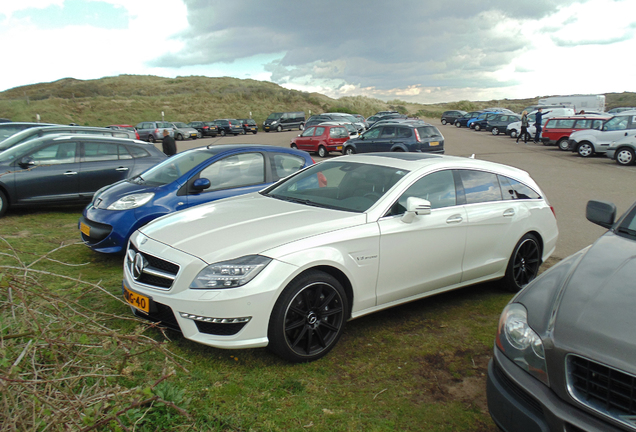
[(520, 343), (131, 201), (230, 274)]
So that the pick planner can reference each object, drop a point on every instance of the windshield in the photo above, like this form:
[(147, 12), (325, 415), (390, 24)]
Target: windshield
[(172, 168), (274, 116), (180, 125), (18, 150), (347, 186), (17, 138), (627, 228)]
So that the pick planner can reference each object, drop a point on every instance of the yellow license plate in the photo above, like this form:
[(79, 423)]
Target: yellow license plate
[(137, 300), (339, 148), (85, 229), (434, 143)]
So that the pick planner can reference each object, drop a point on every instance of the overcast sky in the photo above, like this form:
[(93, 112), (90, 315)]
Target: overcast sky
[(421, 50)]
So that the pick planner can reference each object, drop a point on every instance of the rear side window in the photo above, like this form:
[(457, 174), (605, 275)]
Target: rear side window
[(95, 152), (480, 186), (137, 152), (405, 133), (338, 132), (284, 165), (319, 131), (564, 124), (514, 190), (388, 132)]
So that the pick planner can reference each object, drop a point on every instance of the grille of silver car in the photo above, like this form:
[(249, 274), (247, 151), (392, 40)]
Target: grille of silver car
[(604, 389), (156, 272)]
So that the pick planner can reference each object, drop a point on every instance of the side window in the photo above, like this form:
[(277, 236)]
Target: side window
[(338, 132), (319, 130), (597, 124), (564, 124), (632, 123), (284, 165), (235, 171), (583, 124), (616, 123), (95, 152), (308, 132), (438, 188), (372, 133), (138, 152), (388, 132), (404, 133), (123, 152), (480, 186), (55, 154), (514, 190)]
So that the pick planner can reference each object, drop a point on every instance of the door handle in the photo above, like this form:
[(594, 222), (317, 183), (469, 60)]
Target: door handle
[(69, 173), (509, 213), (454, 219), (121, 169)]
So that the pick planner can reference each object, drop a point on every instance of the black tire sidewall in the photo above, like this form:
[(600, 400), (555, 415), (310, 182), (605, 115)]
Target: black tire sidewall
[(508, 282)]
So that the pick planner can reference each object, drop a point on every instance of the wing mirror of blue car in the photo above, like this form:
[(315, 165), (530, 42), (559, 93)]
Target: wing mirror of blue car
[(416, 206), (27, 161), (201, 184)]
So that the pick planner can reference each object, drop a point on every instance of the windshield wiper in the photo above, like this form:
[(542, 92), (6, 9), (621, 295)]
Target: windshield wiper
[(628, 231)]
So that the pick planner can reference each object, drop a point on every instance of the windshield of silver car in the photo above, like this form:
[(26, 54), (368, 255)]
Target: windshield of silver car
[(347, 186)]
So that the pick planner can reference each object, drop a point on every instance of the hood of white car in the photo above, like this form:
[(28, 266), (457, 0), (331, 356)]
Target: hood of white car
[(245, 225)]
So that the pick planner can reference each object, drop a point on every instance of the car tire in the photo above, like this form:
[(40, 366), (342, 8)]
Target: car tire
[(179, 137), (349, 150), (444, 121), (151, 139), (477, 128), (624, 156), (301, 126), (279, 128), (199, 134), (308, 317), (585, 149), (563, 144), (255, 132), (4, 203), (513, 133), (244, 133), (322, 152), (495, 131), (222, 133), (235, 134), (294, 146), (523, 265), (213, 136), (458, 124)]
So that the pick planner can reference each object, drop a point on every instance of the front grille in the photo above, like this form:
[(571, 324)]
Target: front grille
[(606, 390), (161, 314), (157, 273), (219, 329)]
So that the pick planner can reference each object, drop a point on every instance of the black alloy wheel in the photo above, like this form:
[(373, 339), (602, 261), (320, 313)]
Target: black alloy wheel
[(4, 203), (524, 264), (308, 318)]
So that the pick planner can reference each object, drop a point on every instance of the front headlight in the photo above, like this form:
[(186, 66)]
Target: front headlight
[(274, 122), (230, 274), (131, 201), (520, 343)]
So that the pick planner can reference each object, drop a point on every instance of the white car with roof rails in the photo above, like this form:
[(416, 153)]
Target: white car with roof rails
[(597, 141), (288, 266)]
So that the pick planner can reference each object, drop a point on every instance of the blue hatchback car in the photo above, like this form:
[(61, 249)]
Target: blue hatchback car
[(184, 180)]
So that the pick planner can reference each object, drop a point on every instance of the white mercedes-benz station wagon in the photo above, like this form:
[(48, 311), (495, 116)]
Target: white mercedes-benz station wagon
[(286, 267)]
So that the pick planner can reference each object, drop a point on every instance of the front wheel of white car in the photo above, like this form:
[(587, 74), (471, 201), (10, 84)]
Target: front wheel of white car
[(308, 318), (585, 149), (523, 265), (624, 156)]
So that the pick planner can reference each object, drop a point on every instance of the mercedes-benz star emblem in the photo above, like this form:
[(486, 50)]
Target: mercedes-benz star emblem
[(138, 266)]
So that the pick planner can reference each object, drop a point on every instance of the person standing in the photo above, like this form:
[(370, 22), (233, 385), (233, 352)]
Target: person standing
[(168, 144), (539, 118), (524, 127)]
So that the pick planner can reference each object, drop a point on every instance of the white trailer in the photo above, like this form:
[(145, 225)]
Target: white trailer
[(595, 103)]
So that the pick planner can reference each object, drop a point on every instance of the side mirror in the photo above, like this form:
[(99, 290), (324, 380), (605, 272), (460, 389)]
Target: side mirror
[(27, 162), (601, 213), (201, 184), (416, 206)]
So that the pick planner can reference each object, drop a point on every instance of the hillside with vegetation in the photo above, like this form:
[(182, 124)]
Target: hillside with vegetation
[(130, 99)]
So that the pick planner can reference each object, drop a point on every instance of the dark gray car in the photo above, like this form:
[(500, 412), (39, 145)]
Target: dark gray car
[(405, 136), (565, 350), (11, 128), (69, 169)]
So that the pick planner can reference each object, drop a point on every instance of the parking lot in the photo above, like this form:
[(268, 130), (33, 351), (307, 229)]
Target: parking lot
[(568, 180)]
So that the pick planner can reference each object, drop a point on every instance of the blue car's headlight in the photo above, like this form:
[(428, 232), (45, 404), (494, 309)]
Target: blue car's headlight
[(230, 274), (520, 343), (131, 201)]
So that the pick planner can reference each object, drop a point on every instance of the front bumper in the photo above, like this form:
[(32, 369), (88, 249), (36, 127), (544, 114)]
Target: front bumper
[(611, 154), (520, 403), (109, 230)]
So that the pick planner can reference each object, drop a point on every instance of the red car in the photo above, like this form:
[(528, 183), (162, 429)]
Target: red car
[(557, 130), (321, 139), (125, 127)]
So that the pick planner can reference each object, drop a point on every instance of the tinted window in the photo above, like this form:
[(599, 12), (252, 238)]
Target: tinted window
[(513, 190), (55, 154), (137, 152), (123, 152), (100, 152), (405, 132), (428, 131), (388, 132), (438, 188), (480, 186), (285, 164), (372, 133), (235, 171), (319, 130), (338, 132)]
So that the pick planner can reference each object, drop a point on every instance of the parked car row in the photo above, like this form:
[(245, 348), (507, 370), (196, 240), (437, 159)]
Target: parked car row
[(585, 134)]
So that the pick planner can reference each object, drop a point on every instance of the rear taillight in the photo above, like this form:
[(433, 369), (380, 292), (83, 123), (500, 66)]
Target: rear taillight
[(156, 132), (553, 212), (417, 136), (206, 127)]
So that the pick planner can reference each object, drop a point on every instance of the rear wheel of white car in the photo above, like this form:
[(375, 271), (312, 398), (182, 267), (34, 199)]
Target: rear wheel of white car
[(624, 156), (495, 131), (585, 149), (563, 144), (308, 317), (524, 264)]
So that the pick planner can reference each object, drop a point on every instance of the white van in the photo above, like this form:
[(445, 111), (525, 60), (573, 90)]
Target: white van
[(513, 129), (591, 141)]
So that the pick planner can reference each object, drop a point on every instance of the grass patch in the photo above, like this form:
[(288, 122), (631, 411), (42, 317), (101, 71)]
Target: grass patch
[(419, 366)]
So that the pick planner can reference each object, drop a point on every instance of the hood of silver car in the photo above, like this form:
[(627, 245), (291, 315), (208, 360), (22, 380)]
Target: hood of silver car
[(596, 316), (245, 225)]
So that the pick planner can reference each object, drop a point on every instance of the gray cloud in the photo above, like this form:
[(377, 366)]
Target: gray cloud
[(370, 44)]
